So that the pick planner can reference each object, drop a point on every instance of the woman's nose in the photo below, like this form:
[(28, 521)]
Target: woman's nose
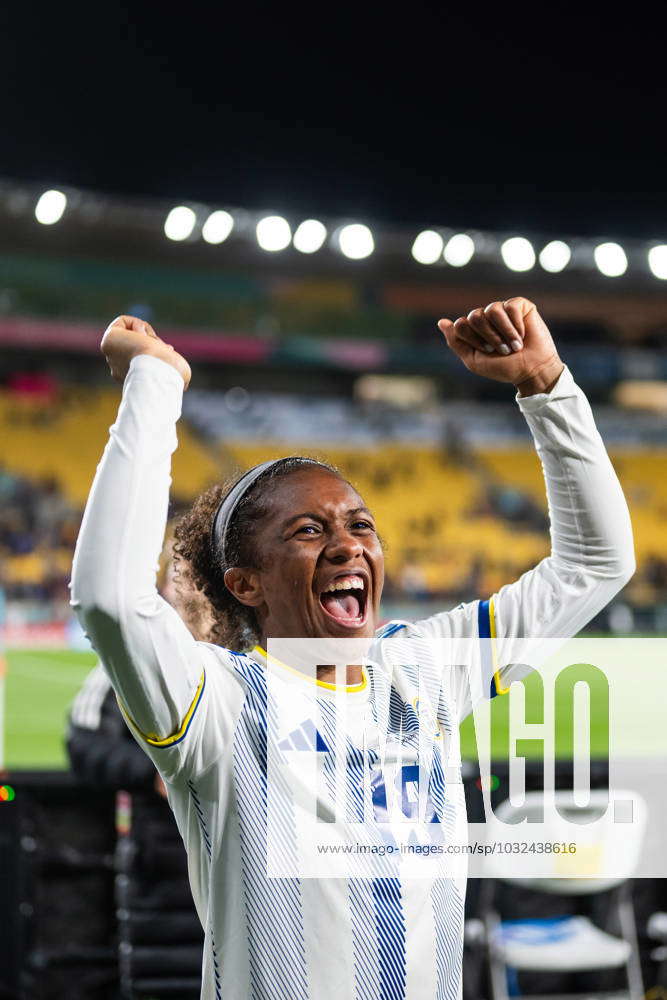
[(345, 545)]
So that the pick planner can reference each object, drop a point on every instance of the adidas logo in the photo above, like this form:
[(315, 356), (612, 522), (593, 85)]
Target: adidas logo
[(306, 737)]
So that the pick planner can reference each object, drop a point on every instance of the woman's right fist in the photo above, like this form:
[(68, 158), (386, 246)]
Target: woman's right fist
[(127, 336)]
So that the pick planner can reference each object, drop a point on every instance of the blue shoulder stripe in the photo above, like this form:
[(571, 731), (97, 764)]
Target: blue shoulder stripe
[(390, 629), (486, 625), (484, 619), (484, 632)]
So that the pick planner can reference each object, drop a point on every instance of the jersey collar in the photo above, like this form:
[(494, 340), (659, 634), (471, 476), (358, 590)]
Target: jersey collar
[(260, 654)]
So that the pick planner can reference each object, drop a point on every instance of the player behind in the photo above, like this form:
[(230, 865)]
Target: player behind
[(291, 551)]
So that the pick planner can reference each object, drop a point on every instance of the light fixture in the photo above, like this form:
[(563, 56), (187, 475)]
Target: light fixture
[(309, 236), (217, 227), (179, 223), (555, 256), (427, 247), (518, 254), (356, 241), (273, 233), (459, 250), (610, 259), (50, 207), (657, 261)]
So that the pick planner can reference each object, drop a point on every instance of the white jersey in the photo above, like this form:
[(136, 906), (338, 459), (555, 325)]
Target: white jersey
[(200, 712)]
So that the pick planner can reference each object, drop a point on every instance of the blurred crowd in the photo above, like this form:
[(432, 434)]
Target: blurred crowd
[(38, 531), (39, 527)]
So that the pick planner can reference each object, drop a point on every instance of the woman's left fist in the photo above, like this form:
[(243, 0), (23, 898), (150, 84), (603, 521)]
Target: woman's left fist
[(506, 341)]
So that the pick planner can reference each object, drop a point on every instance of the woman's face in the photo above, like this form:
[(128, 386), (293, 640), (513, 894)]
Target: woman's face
[(322, 561)]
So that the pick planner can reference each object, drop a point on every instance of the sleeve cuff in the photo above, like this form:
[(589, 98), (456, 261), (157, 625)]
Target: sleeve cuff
[(148, 362), (564, 388)]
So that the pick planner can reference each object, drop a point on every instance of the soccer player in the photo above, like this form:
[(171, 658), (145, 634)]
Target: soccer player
[(290, 550)]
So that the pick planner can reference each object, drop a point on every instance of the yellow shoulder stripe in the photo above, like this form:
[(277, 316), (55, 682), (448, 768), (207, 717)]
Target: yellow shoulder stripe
[(167, 741)]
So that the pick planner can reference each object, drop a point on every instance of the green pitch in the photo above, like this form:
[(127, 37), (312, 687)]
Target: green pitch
[(41, 685), (563, 743)]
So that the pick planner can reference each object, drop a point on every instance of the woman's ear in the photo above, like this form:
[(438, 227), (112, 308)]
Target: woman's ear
[(245, 585)]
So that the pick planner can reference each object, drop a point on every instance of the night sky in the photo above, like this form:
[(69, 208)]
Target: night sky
[(470, 119)]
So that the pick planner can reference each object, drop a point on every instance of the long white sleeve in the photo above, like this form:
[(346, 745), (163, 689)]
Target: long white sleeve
[(592, 554), (153, 662), (592, 551)]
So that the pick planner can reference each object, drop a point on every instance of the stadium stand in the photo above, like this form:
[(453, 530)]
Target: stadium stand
[(461, 512), (41, 441)]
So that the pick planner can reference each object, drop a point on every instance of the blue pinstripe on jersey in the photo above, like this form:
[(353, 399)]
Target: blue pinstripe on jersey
[(364, 944), (216, 970), (200, 816), (375, 903), (448, 919), (390, 926), (446, 901), (274, 907)]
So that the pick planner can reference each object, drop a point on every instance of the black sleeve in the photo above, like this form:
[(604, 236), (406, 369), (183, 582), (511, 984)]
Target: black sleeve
[(108, 756)]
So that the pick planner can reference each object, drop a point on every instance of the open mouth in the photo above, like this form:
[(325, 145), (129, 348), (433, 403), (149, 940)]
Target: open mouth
[(345, 599)]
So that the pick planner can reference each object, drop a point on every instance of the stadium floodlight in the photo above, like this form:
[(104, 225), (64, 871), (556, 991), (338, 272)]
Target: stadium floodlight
[(309, 236), (273, 233), (179, 223), (356, 241), (459, 250), (610, 259), (427, 247), (217, 227), (555, 256), (50, 207), (657, 261), (518, 254)]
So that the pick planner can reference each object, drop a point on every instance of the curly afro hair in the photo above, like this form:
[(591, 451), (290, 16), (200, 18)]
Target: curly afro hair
[(198, 566)]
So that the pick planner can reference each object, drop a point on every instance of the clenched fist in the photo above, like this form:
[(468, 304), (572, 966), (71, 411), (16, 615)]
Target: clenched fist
[(507, 341), (127, 337)]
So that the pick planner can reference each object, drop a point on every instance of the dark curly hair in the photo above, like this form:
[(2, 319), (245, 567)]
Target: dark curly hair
[(198, 566)]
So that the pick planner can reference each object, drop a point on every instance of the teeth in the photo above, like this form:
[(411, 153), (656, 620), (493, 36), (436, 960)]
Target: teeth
[(349, 583)]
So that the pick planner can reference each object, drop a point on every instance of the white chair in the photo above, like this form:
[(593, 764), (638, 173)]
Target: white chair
[(572, 943)]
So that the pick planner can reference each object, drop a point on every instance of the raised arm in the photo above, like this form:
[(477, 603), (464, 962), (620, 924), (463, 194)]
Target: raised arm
[(152, 660), (592, 553)]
